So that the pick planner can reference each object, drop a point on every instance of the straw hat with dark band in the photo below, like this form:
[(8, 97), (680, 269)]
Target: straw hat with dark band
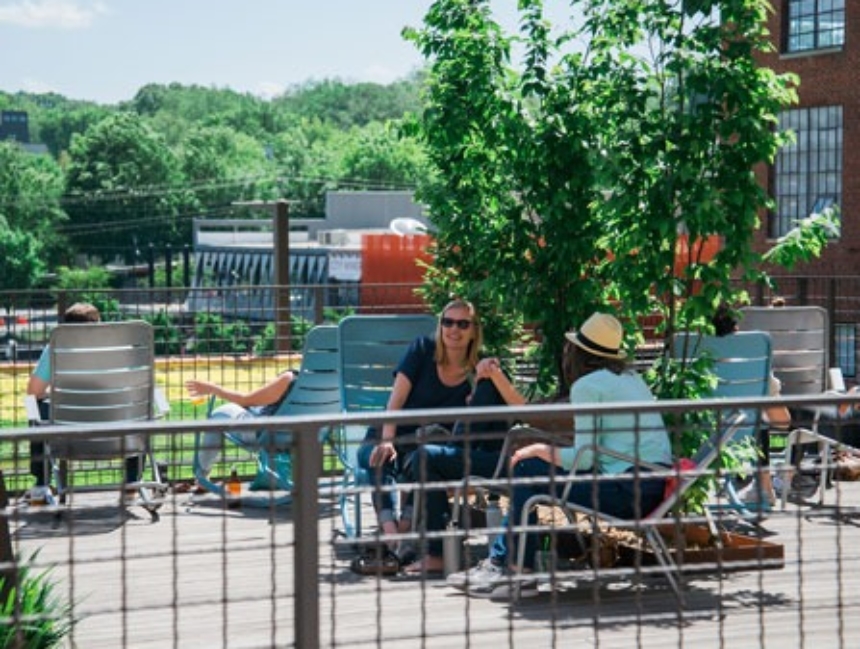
[(600, 335)]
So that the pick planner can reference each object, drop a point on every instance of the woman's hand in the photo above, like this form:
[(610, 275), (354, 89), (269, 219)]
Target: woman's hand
[(384, 452), (542, 451), (198, 388), (486, 367)]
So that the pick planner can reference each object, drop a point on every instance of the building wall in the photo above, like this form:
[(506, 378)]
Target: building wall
[(829, 78), (14, 125)]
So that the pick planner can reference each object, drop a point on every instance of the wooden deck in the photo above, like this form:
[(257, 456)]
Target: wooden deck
[(205, 576)]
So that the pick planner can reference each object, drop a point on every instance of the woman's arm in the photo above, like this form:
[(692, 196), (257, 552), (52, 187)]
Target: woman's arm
[(262, 396), (491, 368), (385, 451), (544, 452)]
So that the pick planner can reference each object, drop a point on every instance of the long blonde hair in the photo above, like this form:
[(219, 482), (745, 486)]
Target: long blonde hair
[(475, 344)]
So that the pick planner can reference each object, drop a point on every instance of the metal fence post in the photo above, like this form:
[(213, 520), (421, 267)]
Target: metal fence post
[(307, 466)]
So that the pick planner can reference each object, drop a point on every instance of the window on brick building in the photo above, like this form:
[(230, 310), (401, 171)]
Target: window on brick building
[(846, 349), (807, 172), (814, 25)]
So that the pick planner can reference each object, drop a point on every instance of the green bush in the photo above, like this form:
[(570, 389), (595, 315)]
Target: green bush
[(33, 616), (166, 333), (213, 336), (264, 343)]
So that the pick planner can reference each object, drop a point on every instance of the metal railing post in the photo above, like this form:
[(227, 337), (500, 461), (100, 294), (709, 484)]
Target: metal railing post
[(307, 467)]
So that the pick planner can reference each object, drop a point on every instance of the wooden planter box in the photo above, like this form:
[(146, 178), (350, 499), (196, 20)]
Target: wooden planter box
[(695, 551)]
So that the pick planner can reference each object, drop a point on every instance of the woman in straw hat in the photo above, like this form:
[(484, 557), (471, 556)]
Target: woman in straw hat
[(595, 365)]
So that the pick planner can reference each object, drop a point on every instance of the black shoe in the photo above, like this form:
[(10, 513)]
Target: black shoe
[(803, 487)]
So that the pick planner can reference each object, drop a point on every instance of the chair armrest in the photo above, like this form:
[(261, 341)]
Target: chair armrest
[(522, 433), (31, 406), (160, 402)]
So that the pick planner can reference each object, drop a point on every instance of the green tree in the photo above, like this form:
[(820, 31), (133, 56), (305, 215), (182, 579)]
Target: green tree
[(124, 188), (379, 157), (55, 126), (565, 184), (222, 167), (346, 105), (31, 189), (20, 259)]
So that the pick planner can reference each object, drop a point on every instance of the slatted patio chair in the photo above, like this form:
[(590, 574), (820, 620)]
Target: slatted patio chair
[(801, 361), (370, 349), (684, 475), (102, 373), (314, 391), (742, 365)]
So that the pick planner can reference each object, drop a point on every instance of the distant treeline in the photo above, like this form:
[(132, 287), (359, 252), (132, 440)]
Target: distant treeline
[(121, 177)]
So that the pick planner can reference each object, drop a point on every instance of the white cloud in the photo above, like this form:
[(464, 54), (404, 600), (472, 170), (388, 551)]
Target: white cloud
[(62, 14), (36, 86), (269, 89), (380, 74)]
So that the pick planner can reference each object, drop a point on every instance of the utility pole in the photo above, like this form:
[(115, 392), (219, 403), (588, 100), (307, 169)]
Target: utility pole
[(281, 240)]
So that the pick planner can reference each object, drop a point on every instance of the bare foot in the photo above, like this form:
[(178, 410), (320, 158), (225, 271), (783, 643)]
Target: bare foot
[(428, 565)]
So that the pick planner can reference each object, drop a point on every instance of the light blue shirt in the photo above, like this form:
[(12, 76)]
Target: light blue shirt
[(616, 431), (43, 367)]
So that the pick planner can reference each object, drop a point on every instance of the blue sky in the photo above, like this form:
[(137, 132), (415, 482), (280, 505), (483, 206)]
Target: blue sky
[(105, 50)]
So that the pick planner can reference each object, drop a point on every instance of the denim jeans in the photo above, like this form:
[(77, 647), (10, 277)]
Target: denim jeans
[(613, 497), (443, 463), (384, 502)]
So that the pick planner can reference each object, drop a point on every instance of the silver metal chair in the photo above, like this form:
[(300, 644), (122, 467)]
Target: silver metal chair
[(103, 373), (800, 336)]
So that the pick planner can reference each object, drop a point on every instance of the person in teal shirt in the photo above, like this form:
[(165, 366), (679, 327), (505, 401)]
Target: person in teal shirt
[(596, 367), (39, 386)]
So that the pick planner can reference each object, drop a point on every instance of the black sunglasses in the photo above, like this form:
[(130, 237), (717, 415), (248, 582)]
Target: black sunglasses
[(450, 322)]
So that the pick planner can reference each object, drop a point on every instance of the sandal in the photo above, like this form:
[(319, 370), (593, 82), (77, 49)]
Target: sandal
[(376, 561), (189, 488), (420, 568)]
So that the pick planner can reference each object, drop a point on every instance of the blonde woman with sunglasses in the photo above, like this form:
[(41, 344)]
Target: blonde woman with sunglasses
[(435, 372)]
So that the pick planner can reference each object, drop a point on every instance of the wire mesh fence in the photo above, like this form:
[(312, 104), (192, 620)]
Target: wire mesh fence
[(263, 572)]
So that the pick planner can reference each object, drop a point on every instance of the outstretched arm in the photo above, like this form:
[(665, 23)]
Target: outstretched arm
[(262, 396)]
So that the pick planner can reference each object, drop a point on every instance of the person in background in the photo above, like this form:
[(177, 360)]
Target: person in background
[(595, 365), (259, 402), (759, 493), (39, 386)]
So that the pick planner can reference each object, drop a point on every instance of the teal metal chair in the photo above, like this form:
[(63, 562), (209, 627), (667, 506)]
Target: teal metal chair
[(742, 364), (315, 391), (371, 347)]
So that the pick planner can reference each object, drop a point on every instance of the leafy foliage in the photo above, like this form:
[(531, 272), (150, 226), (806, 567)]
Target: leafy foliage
[(33, 616), (806, 240), (166, 333), (574, 181), (214, 336), (137, 173), (87, 285)]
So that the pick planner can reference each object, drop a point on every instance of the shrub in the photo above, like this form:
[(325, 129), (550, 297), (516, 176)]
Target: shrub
[(33, 616)]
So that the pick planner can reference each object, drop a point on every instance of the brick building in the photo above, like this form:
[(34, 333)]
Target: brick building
[(819, 40)]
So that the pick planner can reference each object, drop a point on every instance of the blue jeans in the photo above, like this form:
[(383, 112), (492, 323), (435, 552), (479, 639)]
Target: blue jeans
[(615, 498), (442, 463), (381, 476)]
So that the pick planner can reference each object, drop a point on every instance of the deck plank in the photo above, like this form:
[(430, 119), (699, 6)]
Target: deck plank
[(205, 576)]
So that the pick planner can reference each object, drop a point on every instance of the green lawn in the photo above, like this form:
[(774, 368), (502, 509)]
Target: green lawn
[(176, 451)]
